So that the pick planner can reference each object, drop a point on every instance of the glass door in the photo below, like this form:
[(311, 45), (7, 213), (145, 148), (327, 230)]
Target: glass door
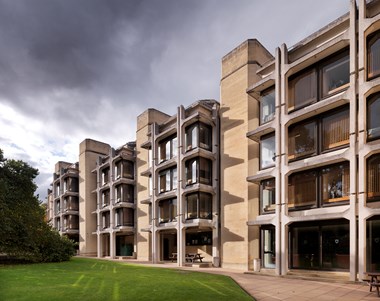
[(268, 247)]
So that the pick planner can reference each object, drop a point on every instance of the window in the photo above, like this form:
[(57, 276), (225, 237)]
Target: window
[(268, 196), (335, 183), (267, 105), (71, 222), (322, 133), (329, 185), (373, 120), (373, 55), (267, 151), (199, 170), (302, 140), (268, 246), (321, 80), (105, 176), (335, 74), (373, 178), (124, 193), (168, 180), (150, 185), (302, 189), (106, 220), (198, 135), (57, 191), (302, 89), (71, 203), (124, 169), (168, 148), (199, 205), (198, 238), (105, 198), (57, 207), (373, 244), (124, 217), (168, 211)]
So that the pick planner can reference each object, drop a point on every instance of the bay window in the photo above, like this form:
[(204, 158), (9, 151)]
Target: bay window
[(168, 148), (105, 198), (199, 205), (198, 135), (124, 169), (168, 180), (335, 183), (198, 170), (124, 217), (105, 175), (168, 211), (267, 105), (124, 193), (267, 151)]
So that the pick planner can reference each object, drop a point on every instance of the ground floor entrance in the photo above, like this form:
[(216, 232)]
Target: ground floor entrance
[(320, 245)]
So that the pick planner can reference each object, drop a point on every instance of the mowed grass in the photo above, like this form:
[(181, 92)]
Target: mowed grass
[(92, 279)]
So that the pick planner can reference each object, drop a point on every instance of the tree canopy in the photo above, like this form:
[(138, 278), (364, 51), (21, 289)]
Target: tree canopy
[(24, 234)]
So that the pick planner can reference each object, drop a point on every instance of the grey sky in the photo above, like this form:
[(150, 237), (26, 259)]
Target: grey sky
[(76, 69)]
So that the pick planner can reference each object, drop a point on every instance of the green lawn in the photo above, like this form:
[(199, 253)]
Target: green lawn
[(91, 279)]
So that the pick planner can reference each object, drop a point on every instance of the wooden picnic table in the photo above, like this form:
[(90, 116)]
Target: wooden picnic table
[(374, 282), (192, 257)]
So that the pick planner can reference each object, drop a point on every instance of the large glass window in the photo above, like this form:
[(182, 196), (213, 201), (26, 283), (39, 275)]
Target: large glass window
[(302, 89), (168, 149), (302, 189), (105, 175), (124, 169), (335, 130), (268, 196), (71, 203), (168, 180), (124, 193), (124, 217), (373, 117), (199, 205), (198, 135), (335, 74), (71, 222), (322, 133), (267, 105), (373, 55), (168, 211), (320, 245), (319, 187), (105, 220), (373, 178), (302, 140), (373, 244), (267, 151), (336, 183), (199, 170), (305, 88)]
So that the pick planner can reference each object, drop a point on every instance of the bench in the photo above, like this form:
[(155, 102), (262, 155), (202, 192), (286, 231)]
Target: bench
[(173, 257), (374, 284), (192, 257)]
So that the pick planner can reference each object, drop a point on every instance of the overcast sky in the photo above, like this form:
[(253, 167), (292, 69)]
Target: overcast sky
[(76, 69)]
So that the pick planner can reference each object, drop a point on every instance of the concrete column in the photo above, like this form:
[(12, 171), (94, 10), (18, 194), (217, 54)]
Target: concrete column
[(112, 244)]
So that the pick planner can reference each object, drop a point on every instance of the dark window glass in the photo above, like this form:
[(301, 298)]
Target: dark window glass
[(373, 55), (71, 203), (335, 74), (124, 217), (302, 140), (373, 178), (302, 89), (198, 135), (167, 149), (373, 117), (267, 151), (373, 244), (199, 205), (105, 198), (168, 211), (267, 105), (336, 130), (124, 193), (268, 195), (199, 170), (302, 189), (105, 176), (268, 246), (106, 219), (168, 180), (336, 183)]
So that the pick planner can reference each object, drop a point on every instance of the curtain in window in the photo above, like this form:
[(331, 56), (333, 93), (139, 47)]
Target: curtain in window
[(373, 178), (336, 130), (373, 58)]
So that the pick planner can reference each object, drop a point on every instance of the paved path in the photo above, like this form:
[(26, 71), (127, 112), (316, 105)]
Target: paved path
[(272, 288)]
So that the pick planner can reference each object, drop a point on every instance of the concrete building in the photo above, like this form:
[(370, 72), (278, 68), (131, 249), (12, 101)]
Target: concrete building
[(285, 171)]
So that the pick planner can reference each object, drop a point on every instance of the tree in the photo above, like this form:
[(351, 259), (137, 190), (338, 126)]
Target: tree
[(24, 234)]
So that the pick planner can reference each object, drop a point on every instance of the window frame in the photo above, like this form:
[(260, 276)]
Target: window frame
[(370, 41), (172, 210), (168, 176), (371, 100), (168, 147), (197, 179), (272, 206), (319, 138), (198, 200), (266, 138), (373, 196), (193, 131), (317, 70)]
